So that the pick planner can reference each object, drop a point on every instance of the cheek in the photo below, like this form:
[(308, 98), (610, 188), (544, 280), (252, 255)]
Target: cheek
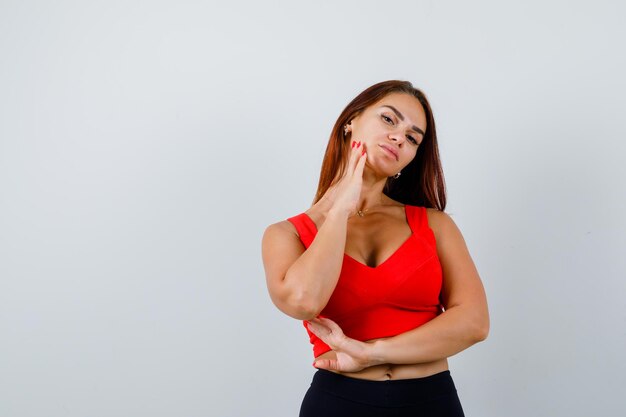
[(373, 128)]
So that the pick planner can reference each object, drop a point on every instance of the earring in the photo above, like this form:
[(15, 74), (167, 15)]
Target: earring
[(397, 175), (345, 129)]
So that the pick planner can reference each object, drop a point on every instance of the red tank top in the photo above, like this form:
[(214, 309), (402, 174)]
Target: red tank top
[(398, 295)]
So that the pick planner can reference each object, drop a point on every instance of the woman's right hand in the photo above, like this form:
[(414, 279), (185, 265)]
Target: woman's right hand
[(344, 194)]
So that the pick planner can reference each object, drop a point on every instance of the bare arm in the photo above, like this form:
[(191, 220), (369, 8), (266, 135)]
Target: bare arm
[(301, 281), (465, 320)]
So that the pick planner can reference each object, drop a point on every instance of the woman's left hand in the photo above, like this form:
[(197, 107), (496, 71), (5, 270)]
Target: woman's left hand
[(352, 355)]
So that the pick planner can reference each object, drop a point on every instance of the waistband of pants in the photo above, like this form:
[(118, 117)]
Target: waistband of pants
[(396, 392)]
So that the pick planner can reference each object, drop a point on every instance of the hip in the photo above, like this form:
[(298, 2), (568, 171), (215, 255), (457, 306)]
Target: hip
[(331, 394)]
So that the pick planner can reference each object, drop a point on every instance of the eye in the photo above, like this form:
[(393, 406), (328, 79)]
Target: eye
[(388, 119)]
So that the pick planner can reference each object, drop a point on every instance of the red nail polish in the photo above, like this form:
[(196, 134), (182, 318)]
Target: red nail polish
[(363, 151), (353, 144)]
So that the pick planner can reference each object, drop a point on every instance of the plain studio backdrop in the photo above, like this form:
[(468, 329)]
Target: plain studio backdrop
[(145, 147)]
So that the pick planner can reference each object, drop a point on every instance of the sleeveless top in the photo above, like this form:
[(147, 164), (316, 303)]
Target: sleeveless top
[(400, 294)]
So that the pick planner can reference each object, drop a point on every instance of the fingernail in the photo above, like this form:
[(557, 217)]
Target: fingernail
[(353, 144), (314, 365), (363, 151)]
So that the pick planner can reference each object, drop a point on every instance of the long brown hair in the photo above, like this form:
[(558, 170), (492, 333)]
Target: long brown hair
[(421, 182)]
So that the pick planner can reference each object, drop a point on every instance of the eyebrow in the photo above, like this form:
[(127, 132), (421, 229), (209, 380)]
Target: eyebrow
[(401, 117)]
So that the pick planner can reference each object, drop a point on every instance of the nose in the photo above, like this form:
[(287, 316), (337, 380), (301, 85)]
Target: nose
[(397, 136)]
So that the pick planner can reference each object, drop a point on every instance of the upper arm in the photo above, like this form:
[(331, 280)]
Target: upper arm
[(461, 282), (281, 247)]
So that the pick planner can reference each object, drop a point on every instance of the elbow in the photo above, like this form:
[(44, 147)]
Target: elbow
[(476, 325), (297, 306), (303, 313), (482, 331), (480, 324), (297, 310), (311, 314), (304, 309), (304, 303), (297, 302)]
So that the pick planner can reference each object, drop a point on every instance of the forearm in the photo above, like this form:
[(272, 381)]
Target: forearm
[(313, 277), (451, 332)]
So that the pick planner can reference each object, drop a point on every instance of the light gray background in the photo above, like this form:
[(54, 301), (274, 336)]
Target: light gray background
[(145, 146)]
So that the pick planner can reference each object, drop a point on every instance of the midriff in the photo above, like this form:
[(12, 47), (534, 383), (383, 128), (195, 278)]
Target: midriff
[(388, 371)]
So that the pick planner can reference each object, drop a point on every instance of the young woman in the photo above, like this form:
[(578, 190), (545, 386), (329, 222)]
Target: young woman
[(379, 274)]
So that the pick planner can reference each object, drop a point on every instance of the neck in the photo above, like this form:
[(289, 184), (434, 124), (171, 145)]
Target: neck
[(372, 190)]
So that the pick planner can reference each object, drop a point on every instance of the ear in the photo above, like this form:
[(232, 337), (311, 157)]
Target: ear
[(352, 123)]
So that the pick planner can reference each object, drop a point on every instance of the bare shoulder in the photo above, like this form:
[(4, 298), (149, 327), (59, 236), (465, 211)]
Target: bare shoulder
[(436, 218), (282, 228), (442, 225), (280, 246)]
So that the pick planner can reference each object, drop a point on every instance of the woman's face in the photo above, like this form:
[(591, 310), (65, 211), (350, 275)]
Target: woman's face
[(391, 131)]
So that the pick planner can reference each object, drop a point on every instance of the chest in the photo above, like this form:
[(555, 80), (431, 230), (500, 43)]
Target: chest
[(410, 278), (373, 245)]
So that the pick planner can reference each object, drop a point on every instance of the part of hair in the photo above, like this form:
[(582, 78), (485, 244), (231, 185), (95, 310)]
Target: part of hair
[(421, 182)]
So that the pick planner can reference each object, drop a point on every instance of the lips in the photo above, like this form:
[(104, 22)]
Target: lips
[(391, 150)]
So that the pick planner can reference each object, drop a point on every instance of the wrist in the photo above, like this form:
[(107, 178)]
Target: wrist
[(376, 353), (339, 212), (324, 204)]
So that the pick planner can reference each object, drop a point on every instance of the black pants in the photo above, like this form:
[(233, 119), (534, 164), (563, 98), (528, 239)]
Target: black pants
[(332, 394)]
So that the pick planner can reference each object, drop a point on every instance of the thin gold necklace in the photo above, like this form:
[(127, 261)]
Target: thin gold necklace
[(361, 213)]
